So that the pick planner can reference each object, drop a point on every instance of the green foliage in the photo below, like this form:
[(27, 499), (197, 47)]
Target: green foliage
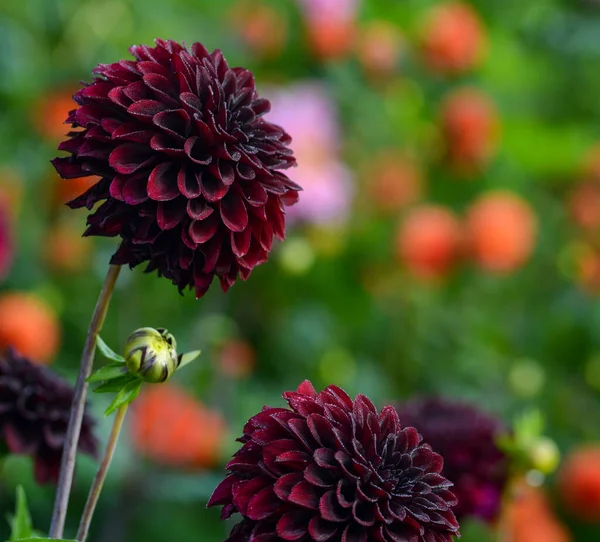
[(21, 525), (125, 396)]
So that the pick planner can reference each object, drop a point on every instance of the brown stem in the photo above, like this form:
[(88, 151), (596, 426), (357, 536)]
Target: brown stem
[(94, 494), (67, 464)]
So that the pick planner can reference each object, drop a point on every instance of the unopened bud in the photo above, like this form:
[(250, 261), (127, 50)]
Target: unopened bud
[(151, 354), (544, 455)]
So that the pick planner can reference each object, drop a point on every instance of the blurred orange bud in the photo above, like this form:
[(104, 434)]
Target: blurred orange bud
[(67, 189), (453, 39), (588, 269), (30, 326), (379, 48), (172, 428), (502, 230), (529, 518), (236, 359), (65, 250), (51, 112), (262, 28), (470, 127), (584, 205), (579, 481), (394, 181), (331, 39), (428, 241)]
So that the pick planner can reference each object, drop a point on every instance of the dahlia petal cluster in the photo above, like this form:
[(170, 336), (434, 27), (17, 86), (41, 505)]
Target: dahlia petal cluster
[(35, 405), (190, 172), (329, 468), (466, 438)]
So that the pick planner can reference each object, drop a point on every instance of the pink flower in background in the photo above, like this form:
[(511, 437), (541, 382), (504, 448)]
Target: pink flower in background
[(6, 246), (329, 9), (309, 115)]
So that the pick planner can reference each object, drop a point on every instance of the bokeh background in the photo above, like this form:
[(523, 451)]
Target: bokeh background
[(447, 241)]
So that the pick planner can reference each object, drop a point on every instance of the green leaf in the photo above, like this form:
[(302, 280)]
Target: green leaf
[(125, 396), (107, 351), (116, 384), (37, 539), (108, 372), (21, 522), (188, 357)]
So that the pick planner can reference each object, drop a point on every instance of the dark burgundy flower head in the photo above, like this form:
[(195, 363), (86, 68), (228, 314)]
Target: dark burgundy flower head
[(34, 413), (190, 171), (333, 469), (466, 438)]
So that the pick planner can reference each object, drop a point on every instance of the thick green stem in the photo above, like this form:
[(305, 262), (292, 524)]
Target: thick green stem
[(94, 494), (67, 465)]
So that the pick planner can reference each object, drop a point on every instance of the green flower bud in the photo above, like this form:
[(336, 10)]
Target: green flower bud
[(152, 354), (544, 455)]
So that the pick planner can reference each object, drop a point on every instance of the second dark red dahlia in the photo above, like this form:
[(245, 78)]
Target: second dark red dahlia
[(190, 172), (466, 437), (329, 468)]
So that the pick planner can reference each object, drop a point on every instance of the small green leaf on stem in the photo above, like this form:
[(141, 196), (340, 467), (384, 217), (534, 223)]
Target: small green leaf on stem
[(187, 358), (108, 372), (127, 394), (107, 351), (116, 384), (21, 526)]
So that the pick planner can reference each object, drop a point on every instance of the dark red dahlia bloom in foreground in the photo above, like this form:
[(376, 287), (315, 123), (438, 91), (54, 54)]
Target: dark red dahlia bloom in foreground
[(190, 170), (466, 438), (332, 469), (34, 413)]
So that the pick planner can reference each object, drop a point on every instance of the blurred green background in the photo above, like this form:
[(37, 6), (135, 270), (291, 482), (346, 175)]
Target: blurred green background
[(505, 316)]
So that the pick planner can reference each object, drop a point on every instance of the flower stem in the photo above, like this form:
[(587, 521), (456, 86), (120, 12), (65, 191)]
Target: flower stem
[(67, 464), (94, 494)]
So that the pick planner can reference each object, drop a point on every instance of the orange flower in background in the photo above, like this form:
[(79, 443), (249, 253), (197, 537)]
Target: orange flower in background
[(502, 230), (579, 481), (173, 428), (379, 48), (330, 26), (51, 111), (529, 518), (453, 39), (262, 28), (394, 181), (30, 326), (236, 359), (331, 39), (584, 205), (65, 250), (428, 241), (66, 190), (587, 269), (470, 127)]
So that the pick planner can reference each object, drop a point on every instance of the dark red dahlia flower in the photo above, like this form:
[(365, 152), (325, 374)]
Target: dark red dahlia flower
[(190, 170), (34, 413), (333, 469), (466, 438)]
